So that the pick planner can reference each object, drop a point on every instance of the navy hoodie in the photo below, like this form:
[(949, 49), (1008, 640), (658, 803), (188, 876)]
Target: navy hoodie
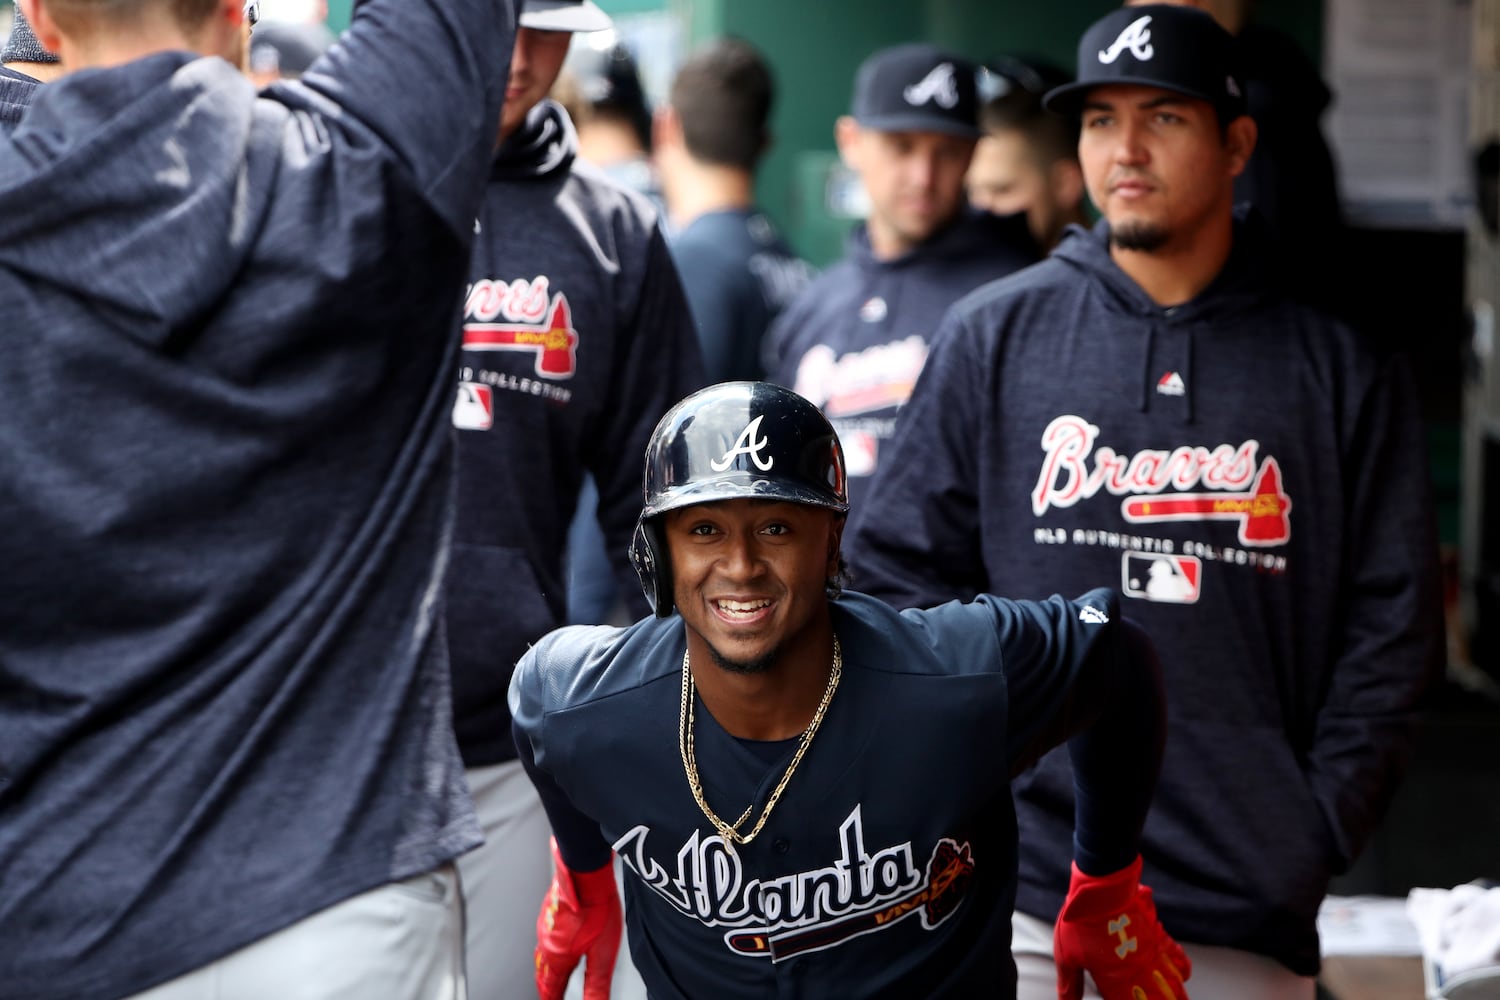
[(577, 338), (226, 481), (1253, 479), (16, 90), (856, 338)]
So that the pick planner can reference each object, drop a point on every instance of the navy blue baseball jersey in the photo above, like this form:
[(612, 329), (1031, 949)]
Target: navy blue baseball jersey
[(887, 867)]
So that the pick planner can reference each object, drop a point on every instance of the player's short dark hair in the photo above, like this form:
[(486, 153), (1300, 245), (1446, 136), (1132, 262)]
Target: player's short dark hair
[(835, 585), (1050, 137), (723, 95)]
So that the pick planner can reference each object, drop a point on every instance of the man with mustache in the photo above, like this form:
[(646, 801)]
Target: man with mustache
[(1150, 408)]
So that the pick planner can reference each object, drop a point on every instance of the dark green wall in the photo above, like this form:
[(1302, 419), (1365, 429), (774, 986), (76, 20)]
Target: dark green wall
[(338, 13), (815, 46)]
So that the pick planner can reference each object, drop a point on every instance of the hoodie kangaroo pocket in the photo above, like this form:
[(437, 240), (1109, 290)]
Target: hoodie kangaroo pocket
[(1235, 824)]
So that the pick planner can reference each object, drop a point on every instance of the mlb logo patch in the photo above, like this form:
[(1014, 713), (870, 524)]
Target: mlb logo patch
[(1171, 384), (474, 409), (1161, 578)]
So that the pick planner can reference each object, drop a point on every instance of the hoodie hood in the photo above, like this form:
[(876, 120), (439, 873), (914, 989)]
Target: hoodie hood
[(172, 225), (1238, 288), (1242, 281), (16, 91), (546, 143)]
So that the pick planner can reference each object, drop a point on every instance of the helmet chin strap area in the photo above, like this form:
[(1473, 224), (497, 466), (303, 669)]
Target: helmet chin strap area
[(648, 551)]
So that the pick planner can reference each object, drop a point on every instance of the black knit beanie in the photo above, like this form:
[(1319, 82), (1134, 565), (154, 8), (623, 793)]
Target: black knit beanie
[(22, 45)]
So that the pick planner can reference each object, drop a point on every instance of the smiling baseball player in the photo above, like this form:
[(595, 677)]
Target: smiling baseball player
[(809, 790)]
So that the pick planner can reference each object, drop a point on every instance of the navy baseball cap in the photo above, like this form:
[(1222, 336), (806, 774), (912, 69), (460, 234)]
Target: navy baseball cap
[(917, 88), (1175, 48), (564, 15)]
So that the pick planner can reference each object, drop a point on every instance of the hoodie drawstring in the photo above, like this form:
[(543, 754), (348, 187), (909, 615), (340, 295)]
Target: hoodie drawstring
[(1146, 380), (1187, 375)]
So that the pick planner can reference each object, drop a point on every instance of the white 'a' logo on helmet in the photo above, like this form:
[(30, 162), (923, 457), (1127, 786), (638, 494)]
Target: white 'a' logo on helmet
[(1136, 37), (940, 85), (746, 444)]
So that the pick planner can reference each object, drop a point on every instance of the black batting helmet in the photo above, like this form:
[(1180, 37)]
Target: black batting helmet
[(734, 440)]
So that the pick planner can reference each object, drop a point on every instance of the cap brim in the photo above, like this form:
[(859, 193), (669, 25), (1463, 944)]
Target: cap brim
[(1068, 99), (739, 485), (557, 15), (918, 123)]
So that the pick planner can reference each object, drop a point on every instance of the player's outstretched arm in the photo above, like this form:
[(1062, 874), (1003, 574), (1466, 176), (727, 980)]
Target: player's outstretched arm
[(1108, 925), (579, 921), (580, 917)]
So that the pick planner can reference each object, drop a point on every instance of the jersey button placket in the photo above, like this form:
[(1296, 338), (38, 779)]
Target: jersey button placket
[(791, 984)]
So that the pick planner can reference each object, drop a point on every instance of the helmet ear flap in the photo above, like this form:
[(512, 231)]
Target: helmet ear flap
[(648, 551)]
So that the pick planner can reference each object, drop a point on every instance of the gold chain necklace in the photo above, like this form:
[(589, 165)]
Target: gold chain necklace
[(731, 832)]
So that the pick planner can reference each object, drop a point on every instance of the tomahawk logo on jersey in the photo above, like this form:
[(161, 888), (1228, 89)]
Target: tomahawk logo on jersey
[(1238, 485), (1188, 484), (535, 323), (519, 337)]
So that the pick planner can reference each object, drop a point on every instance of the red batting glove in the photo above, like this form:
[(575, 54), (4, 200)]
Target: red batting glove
[(1108, 927), (580, 919)]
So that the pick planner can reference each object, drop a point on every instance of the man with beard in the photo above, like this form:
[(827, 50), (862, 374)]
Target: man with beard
[(1151, 407)]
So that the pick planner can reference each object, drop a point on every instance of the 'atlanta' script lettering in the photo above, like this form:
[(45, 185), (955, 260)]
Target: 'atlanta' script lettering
[(709, 885)]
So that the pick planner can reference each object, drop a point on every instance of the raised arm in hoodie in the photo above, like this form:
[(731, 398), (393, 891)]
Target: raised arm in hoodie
[(227, 475), (437, 111)]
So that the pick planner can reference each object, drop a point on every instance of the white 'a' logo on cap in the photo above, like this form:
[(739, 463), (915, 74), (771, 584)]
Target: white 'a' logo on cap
[(746, 444), (1136, 37), (940, 85)]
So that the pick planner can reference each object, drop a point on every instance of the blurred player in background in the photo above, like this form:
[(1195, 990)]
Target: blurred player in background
[(1027, 159), (737, 271), (856, 339), (576, 338)]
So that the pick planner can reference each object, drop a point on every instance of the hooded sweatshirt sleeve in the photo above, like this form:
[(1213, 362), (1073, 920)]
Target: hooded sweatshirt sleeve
[(661, 363), (417, 106), (1391, 647), (916, 542)]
